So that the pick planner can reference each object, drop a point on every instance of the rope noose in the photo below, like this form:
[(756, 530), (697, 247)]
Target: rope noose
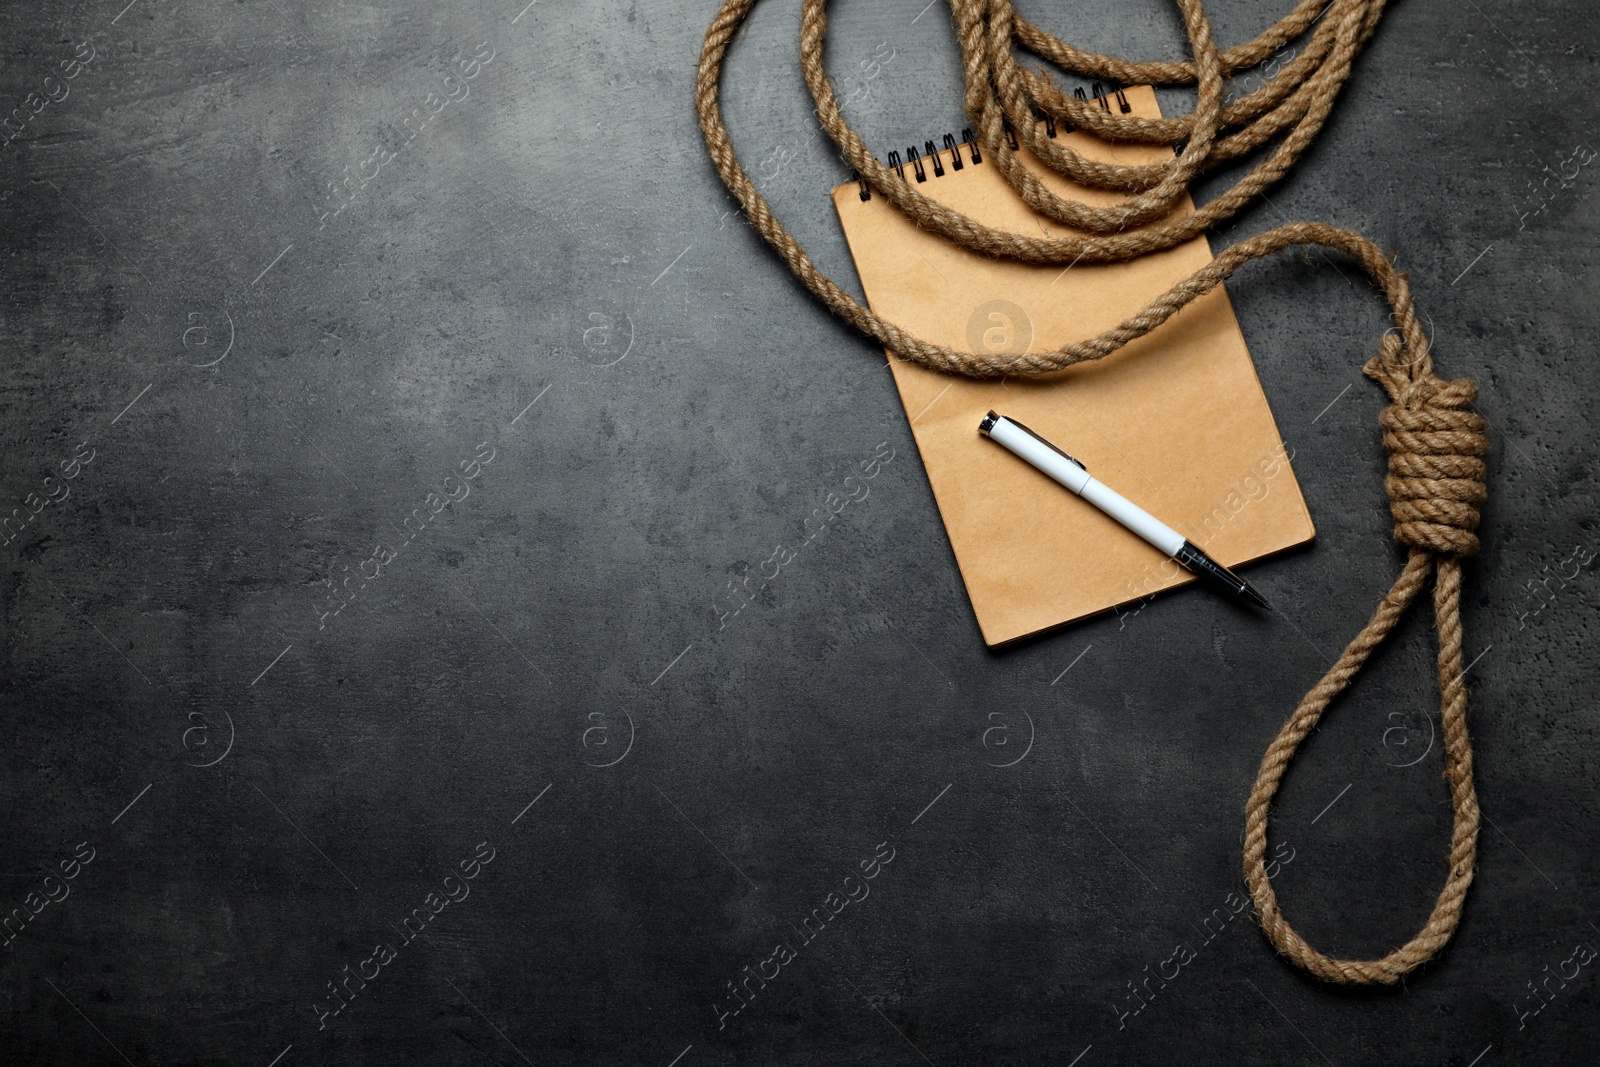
[(1435, 442), (1436, 446)]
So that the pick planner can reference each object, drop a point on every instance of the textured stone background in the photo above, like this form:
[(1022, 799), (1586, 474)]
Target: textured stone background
[(268, 393)]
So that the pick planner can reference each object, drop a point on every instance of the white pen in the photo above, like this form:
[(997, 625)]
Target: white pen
[(1069, 472)]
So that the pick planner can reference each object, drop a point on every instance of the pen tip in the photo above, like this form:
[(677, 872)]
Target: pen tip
[(1254, 597)]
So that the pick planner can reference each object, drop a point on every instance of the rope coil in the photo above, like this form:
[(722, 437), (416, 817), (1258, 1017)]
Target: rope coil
[(1436, 478), (1436, 444)]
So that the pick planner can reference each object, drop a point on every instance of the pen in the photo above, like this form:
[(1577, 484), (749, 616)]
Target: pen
[(1070, 473)]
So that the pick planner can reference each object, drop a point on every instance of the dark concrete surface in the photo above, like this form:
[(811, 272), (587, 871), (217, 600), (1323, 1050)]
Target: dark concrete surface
[(539, 304)]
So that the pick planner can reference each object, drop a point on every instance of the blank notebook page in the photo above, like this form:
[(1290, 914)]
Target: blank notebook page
[(1175, 421)]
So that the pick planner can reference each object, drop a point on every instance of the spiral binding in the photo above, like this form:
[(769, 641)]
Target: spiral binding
[(919, 161)]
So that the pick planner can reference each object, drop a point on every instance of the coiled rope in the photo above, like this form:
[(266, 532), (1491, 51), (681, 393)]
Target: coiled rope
[(1435, 442)]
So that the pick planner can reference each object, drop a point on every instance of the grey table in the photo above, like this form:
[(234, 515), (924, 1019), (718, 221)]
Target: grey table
[(393, 406)]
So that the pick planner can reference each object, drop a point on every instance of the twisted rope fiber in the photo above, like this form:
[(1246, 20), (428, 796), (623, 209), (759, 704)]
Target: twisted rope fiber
[(1435, 442)]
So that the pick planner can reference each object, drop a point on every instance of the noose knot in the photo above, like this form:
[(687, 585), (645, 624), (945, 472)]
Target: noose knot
[(1436, 444)]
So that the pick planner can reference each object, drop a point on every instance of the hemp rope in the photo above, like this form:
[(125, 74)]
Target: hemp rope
[(1434, 441)]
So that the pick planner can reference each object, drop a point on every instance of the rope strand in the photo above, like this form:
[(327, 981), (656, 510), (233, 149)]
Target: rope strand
[(1436, 444)]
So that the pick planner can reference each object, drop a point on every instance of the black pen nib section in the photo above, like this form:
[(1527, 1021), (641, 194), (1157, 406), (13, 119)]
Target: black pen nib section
[(1212, 571)]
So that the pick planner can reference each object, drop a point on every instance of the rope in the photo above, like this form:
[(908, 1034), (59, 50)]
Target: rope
[(1435, 442)]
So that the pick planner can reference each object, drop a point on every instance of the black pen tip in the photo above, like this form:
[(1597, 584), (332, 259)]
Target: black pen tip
[(1212, 571), (1249, 593)]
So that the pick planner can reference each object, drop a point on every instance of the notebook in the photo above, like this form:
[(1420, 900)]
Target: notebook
[(1175, 421)]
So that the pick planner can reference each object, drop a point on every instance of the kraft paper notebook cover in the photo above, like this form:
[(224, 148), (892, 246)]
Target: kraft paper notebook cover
[(1176, 421)]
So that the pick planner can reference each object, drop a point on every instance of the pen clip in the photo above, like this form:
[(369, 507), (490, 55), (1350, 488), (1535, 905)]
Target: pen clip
[(1052, 447)]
